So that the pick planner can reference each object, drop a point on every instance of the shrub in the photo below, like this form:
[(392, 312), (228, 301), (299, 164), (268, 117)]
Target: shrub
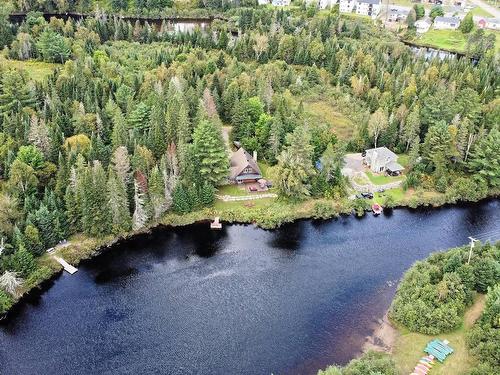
[(484, 337), (434, 293), (5, 302)]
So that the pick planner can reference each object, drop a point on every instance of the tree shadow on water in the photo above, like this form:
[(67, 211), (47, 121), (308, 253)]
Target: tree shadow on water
[(288, 236)]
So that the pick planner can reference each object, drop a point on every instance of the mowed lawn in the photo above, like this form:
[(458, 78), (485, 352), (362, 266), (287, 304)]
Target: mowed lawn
[(324, 112), (452, 39), (37, 70), (409, 346), (447, 39), (383, 179)]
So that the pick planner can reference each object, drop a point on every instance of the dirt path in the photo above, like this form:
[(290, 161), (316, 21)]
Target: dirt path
[(475, 311)]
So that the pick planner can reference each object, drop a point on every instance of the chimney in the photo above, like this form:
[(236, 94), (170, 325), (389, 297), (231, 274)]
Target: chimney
[(255, 155)]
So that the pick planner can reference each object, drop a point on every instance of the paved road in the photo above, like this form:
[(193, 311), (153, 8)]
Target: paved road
[(489, 8)]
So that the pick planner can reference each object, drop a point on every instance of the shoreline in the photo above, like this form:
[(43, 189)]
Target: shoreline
[(83, 248)]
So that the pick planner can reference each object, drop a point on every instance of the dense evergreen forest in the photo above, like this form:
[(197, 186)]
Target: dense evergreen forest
[(130, 123)]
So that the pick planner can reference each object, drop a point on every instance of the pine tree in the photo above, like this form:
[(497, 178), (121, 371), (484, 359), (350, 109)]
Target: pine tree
[(119, 137), (210, 153), (181, 200), (95, 218), (118, 203), (207, 194), (295, 167), (140, 217)]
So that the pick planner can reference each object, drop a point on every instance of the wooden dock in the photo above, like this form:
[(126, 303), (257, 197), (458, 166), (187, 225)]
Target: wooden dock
[(216, 224), (67, 267)]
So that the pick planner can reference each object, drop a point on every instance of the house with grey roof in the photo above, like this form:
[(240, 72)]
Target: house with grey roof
[(368, 7), (244, 167), (398, 14), (446, 23), (381, 160)]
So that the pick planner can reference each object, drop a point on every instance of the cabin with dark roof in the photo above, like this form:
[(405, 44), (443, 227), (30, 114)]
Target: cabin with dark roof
[(244, 167)]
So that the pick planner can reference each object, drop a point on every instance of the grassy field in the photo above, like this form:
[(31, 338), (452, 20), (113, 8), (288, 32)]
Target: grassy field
[(478, 11), (446, 39), (409, 346), (452, 39), (37, 70), (397, 194), (325, 112), (382, 179), (403, 159)]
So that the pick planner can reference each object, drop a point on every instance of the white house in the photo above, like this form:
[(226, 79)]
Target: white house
[(281, 3), (381, 159), (489, 23), (263, 2), (446, 23), (323, 4), (368, 7), (346, 6), (423, 25), (398, 14)]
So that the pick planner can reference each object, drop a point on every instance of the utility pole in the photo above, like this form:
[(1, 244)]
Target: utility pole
[(472, 240)]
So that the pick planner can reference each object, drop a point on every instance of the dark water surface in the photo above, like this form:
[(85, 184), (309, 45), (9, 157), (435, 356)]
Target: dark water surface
[(239, 301)]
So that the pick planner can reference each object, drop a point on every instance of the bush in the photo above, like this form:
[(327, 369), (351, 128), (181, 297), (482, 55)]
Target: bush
[(434, 293), (371, 363), (5, 302), (484, 338)]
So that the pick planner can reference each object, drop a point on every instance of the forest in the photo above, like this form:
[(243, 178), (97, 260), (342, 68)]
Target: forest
[(128, 124)]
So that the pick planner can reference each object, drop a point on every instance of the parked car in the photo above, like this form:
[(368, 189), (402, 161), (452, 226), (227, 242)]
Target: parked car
[(367, 195)]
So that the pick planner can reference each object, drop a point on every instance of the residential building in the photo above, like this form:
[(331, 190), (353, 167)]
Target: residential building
[(423, 25), (346, 6), (489, 23), (446, 23), (368, 7), (323, 4), (398, 14), (244, 167), (381, 159), (281, 3), (263, 2)]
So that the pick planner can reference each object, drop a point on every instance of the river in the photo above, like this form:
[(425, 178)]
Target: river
[(239, 301)]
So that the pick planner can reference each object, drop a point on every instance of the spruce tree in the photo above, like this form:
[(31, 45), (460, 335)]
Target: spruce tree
[(118, 203), (210, 153)]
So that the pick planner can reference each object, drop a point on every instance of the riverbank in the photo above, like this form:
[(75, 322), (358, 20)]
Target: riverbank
[(406, 347), (264, 213)]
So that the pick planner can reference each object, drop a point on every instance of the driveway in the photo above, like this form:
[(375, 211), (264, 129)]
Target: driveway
[(353, 163)]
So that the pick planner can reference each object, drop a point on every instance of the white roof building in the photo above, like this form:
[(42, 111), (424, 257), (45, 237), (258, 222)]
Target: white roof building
[(346, 6), (423, 25), (446, 23), (368, 7)]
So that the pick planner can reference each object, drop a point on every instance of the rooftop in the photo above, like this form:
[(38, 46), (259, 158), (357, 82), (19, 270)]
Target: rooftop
[(240, 160), (447, 19)]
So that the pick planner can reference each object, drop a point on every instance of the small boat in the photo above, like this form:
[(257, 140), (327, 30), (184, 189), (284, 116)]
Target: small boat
[(377, 209)]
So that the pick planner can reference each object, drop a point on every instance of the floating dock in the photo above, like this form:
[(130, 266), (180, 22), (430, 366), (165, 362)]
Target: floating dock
[(216, 224), (67, 267)]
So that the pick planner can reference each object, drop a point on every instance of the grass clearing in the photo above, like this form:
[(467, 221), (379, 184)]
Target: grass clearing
[(397, 195), (324, 112), (409, 346), (37, 70), (403, 159), (382, 179), (478, 11), (445, 39)]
